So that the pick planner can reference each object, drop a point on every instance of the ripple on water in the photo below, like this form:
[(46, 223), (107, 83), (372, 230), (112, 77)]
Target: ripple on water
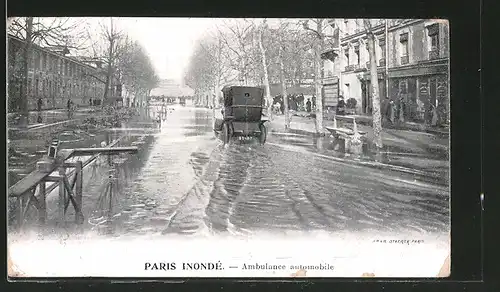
[(240, 189)]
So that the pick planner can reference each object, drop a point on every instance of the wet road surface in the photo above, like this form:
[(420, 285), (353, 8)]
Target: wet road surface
[(184, 181)]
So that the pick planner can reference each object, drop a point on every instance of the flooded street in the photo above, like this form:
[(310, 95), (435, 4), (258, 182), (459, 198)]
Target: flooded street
[(184, 181), (229, 147)]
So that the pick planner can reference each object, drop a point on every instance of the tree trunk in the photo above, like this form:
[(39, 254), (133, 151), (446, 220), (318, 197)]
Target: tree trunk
[(23, 103), (377, 118), (317, 78), (109, 73), (217, 92), (282, 81), (266, 75)]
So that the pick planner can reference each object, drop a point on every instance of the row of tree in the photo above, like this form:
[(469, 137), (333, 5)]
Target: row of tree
[(125, 60), (263, 52)]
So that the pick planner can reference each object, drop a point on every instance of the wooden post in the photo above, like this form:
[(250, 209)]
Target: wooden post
[(79, 191), (110, 210), (62, 194), (20, 212), (42, 212)]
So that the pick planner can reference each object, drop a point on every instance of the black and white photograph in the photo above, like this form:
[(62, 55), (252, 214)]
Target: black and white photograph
[(228, 147)]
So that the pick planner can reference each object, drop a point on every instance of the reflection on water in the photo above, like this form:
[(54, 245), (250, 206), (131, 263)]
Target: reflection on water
[(185, 181), (266, 187)]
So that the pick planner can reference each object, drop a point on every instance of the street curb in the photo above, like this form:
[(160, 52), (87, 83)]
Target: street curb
[(367, 121), (439, 149), (351, 160)]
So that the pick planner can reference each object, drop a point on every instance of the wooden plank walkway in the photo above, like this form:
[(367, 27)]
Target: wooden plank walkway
[(34, 178)]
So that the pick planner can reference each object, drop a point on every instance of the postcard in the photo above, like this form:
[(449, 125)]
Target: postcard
[(212, 147)]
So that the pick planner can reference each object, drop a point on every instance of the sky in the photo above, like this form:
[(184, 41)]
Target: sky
[(168, 41)]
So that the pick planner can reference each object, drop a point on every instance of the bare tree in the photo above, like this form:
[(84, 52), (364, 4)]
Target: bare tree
[(45, 32), (113, 38), (208, 69), (265, 69), (136, 69), (377, 117), (318, 46), (281, 48), (238, 39)]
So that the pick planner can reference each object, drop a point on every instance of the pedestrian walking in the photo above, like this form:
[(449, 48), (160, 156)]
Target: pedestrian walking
[(341, 106), (434, 119), (401, 110), (308, 105), (276, 108), (39, 104), (392, 113), (69, 106)]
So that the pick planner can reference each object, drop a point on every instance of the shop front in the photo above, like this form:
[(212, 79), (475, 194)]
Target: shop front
[(421, 94), (366, 92)]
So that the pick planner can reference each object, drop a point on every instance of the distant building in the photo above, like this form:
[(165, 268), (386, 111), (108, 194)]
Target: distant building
[(173, 90), (416, 53), (54, 76)]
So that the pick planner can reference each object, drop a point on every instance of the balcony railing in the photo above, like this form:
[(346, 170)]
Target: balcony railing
[(405, 60), (433, 54)]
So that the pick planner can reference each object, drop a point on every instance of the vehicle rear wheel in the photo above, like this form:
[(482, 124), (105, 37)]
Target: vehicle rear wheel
[(225, 133), (263, 134)]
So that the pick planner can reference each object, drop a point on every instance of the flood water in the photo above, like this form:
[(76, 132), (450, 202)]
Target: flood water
[(184, 181)]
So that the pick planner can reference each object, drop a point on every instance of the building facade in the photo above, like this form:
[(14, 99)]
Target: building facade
[(54, 77), (413, 63)]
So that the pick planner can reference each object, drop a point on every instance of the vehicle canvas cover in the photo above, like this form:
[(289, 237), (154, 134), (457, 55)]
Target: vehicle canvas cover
[(244, 103)]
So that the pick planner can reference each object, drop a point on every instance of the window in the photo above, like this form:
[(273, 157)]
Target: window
[(381, 45), (433, 39), (403, 86), (346, 53), (37, 61), (356, 51), (404, 48), (434, 42)]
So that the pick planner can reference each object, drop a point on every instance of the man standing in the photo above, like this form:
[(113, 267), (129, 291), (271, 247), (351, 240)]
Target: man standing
[(68, 105), (39, 104), (341, 106)]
